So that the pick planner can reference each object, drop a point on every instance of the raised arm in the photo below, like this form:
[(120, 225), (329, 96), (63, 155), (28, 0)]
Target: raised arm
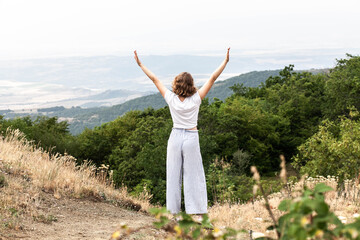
[(160, 86), (207, 86)]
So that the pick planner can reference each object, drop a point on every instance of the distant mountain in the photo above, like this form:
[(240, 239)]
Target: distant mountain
[(104, 99), (81, 118), (72, 81)]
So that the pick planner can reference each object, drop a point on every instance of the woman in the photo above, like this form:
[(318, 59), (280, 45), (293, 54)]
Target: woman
[(183, 150)]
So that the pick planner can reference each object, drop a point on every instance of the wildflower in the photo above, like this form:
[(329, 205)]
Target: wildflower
[(304, 221), (319, 233), (354, 234), (116, 235), (217, 233), (177, 230)]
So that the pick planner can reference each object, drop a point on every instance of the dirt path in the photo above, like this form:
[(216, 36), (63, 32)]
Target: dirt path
[(82, 219)]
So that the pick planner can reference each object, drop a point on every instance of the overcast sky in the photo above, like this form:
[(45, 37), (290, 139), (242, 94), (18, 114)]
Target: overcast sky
[(43, 28)]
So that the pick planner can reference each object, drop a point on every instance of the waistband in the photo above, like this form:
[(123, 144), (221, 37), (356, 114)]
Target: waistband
[(184, 129)]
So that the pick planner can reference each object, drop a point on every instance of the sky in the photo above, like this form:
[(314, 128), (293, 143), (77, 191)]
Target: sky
[(53, 28)]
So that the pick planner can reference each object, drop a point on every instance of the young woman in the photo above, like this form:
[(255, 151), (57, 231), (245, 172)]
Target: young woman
[(183, 150)]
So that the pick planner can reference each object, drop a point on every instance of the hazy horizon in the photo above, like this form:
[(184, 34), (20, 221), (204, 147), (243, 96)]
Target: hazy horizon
[(61, 49), (44, 29), (71, 81)]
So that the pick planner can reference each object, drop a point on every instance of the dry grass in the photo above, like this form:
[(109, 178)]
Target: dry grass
[(344, 203), (21, 163)]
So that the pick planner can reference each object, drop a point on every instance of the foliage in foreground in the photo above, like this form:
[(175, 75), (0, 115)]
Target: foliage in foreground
[(188, 228), (306, 217), (184, 228), (309, 217)]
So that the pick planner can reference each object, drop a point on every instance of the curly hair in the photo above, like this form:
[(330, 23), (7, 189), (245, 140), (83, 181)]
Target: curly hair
[(183, 85)]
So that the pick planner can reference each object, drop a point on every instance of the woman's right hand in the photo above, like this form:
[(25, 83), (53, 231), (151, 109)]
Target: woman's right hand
[(156, 81), (137, 58)]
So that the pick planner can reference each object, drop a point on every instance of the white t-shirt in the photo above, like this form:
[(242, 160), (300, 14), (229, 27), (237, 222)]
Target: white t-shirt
[(184, 113)]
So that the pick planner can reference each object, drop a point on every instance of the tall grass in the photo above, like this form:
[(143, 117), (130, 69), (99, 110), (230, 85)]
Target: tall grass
[(59, 174)]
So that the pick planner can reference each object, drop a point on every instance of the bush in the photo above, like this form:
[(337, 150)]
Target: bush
[(310, 217), (3, 182), (224, 187), (241, 162), (334, 150)]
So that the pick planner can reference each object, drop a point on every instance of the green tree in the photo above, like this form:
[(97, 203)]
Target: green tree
[(342, 88), (246, 124), (129, 168), (48, 133), (334, 150), (297, 97), (98, 144)]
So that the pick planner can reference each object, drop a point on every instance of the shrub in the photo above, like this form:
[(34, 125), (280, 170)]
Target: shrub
[(241, 162), (334, 150), (3, 182)]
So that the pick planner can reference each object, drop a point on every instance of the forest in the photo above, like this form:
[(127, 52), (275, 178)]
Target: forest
[(310, 118)]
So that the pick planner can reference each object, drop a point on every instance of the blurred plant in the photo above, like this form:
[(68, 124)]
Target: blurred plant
[(182, 226), (308, 216), (185, 226)]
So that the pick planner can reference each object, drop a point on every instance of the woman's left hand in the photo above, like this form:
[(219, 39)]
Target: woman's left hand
[(137, 58), (227, 55)]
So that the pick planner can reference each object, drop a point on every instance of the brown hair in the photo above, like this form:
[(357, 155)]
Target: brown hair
[(183, 85)]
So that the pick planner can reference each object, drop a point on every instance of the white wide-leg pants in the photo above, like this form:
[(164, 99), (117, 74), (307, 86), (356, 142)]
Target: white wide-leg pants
[(184, 162)]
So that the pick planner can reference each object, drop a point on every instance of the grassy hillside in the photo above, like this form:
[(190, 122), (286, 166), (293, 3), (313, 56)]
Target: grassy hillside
[(50, 197), (57, 174)]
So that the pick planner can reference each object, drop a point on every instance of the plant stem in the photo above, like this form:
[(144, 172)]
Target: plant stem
[(267, 206)]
